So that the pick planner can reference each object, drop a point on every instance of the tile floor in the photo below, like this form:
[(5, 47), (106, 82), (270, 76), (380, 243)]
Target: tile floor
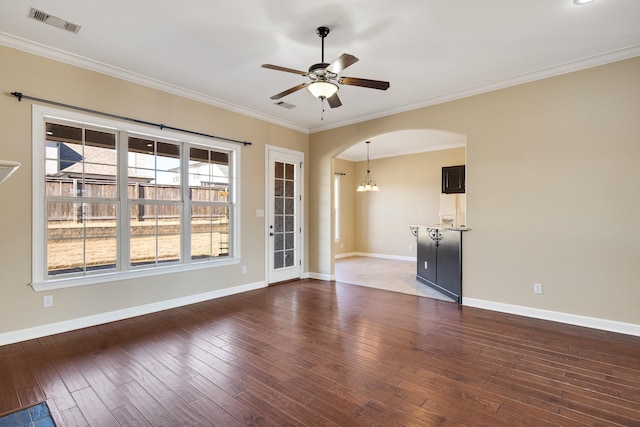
[(382, 273), (35, 416)]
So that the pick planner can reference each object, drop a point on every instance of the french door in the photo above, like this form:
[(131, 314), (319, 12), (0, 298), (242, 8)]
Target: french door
[(284, 214)]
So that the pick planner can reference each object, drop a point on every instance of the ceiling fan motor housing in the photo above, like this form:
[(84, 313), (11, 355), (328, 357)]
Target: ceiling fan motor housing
[(318, 72)]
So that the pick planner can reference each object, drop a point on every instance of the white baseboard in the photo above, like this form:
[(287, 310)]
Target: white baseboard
[(319, 276), (556, 316), (374, 255), (112, 316)]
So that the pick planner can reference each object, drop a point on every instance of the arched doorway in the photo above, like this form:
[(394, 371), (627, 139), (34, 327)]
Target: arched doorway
[(407, 166)]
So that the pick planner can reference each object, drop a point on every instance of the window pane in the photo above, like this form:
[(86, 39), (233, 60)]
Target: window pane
[(154, 233), (168, 171), (80, 237), (201, 232), (154, 170), (209, 231), (100, 235), (65, 238), (208, 175), (76, 159)]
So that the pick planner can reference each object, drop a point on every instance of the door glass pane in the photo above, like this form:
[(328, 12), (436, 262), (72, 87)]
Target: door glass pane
[(289, 259), (279, 170), (284, 215)]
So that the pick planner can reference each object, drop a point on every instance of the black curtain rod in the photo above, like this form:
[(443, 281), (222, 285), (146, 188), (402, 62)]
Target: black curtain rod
[(20, 95)]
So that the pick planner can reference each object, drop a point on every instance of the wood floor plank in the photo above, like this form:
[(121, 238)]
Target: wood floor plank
[(314, 353), (92, 407)]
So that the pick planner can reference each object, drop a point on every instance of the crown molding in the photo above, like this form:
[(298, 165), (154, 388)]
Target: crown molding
[(109, 70), (99, 67), (556, 70)]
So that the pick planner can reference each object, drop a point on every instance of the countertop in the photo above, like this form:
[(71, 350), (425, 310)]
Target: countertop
[(441, 227)]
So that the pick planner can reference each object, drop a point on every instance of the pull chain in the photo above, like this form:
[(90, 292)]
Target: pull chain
[(322, 109)]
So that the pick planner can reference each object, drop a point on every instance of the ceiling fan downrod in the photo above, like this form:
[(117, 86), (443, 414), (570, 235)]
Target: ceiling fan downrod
[(322, 32)]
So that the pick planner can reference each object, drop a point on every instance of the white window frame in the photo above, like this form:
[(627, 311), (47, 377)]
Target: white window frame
[(336, 206), (40, 280)]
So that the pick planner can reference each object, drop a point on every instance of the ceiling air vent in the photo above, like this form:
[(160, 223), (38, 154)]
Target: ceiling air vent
[(41, 16), (284, 105)]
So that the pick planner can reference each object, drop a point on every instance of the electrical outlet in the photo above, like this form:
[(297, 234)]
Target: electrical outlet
[(537, 288), (410, 247), (425, 265), (47, 301), (244, 269)]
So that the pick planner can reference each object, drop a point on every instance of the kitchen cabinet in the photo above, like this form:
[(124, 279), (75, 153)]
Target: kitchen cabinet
[(439, 256), (453, 179)]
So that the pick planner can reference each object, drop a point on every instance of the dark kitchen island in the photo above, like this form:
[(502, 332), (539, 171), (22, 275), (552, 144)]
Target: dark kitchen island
[(440, 258)]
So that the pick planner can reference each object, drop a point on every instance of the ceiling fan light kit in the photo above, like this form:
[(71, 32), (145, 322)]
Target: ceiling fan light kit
[(322, 89), (325, 82)]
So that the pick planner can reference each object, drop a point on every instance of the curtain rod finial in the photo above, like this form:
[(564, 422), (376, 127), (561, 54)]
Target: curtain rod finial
[(17, 95)]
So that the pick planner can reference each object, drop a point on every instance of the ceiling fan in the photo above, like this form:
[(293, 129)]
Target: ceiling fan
[(324, 78)]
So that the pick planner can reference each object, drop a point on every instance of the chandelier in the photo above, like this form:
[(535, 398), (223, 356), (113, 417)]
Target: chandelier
[(368, 184)]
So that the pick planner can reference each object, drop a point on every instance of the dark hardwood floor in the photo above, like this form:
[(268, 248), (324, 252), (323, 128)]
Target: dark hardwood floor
[(325, 354)]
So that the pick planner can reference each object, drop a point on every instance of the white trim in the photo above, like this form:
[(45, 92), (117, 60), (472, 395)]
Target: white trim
[(555, 316), (119, 73), (95, 279), (374, 255), (325, 277), (299, 157), (112, 316), (99, 67), (40, 281), (557, 70)]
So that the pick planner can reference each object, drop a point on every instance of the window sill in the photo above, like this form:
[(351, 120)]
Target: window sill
[(94, 279)]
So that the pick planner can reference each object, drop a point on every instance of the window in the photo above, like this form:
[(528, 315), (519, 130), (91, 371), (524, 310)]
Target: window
[(111, 200), (336, 206)]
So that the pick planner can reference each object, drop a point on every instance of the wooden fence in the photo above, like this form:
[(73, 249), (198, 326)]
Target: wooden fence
[(137, 192)]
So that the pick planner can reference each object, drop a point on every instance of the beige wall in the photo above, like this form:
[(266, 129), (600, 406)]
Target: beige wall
[(552, 184), (552, 190), (20, 306)]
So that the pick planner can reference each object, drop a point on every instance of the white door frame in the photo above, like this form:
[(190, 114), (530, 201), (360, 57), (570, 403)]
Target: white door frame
[(272, 152)]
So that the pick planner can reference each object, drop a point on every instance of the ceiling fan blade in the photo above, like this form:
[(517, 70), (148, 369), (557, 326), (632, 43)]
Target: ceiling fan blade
[(334, 101), (373, 84), (285, 69), (288, 91), (341, 63)]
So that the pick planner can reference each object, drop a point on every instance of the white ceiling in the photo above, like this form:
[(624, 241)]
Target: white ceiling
[(430, 50)]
